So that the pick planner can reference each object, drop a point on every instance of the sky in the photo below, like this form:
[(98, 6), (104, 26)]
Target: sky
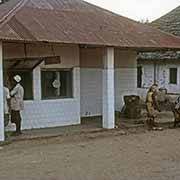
[(138, 9)]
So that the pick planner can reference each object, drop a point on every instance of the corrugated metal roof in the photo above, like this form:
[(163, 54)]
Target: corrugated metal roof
[(75, 21)]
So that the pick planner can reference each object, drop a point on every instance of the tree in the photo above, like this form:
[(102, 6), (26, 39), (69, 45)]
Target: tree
[(144, 21)]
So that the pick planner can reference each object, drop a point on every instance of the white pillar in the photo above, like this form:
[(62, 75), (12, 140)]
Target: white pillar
[(108, 89), (1, 95), (37, 83), (76, 89)]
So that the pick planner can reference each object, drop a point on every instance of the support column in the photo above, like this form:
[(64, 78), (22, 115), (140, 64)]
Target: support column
[(37, 83), (108, 89), (1, 95), (76, 89)]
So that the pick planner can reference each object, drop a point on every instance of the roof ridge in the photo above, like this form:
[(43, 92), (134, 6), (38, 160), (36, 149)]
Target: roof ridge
[(12, 12)]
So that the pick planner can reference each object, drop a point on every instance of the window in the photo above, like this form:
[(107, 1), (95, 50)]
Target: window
[(56, 84), (139, 76), (26, 82), (173, 75)]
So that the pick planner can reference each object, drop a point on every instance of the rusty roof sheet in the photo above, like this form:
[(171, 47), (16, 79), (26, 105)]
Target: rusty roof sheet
[(76, 21)]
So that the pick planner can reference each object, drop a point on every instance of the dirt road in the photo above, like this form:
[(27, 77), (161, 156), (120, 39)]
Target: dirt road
[(142, 156)]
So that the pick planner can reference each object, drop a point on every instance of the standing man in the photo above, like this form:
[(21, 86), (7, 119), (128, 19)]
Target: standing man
[(152, 106), (17, 103)]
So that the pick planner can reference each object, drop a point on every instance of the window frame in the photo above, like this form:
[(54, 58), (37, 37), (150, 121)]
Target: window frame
[(58, 70), (141, 86), (170, 78)]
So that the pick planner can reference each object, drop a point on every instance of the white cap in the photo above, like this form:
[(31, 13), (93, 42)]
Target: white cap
[(17, 78)]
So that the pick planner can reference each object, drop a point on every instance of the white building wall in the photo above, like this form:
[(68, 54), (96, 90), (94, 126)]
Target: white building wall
[(148, 75), (91, 82), (162, 77), (125, 84), (91, 79), (125, 76), (91, 92), (40, 113), (147, 79), (163, 80), (50, 113)]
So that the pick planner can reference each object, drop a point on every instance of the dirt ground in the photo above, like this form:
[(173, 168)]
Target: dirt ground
[(110, 155)]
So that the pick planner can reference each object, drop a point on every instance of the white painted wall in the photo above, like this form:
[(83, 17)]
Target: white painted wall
[(51, 113), (162, 76), (91, 92), (148, 75), (87, 82), (91, 79), (125, 84), (125, 76)]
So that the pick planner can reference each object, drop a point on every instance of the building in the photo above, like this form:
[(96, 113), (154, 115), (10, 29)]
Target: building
[(76, 59), (162, 68)]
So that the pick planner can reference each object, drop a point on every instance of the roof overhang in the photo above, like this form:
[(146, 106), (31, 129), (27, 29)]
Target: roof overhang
[(22, 63), (93, 45)]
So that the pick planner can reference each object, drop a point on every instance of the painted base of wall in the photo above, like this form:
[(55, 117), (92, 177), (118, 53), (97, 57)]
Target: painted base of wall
[(50, 113), (91, 89), (91, 92), (125, 84)]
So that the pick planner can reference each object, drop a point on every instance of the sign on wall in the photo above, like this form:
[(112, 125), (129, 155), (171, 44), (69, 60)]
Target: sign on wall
[(52, 60)]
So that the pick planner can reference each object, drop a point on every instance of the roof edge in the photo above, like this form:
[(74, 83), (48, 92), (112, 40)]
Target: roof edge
[(134, 48)]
